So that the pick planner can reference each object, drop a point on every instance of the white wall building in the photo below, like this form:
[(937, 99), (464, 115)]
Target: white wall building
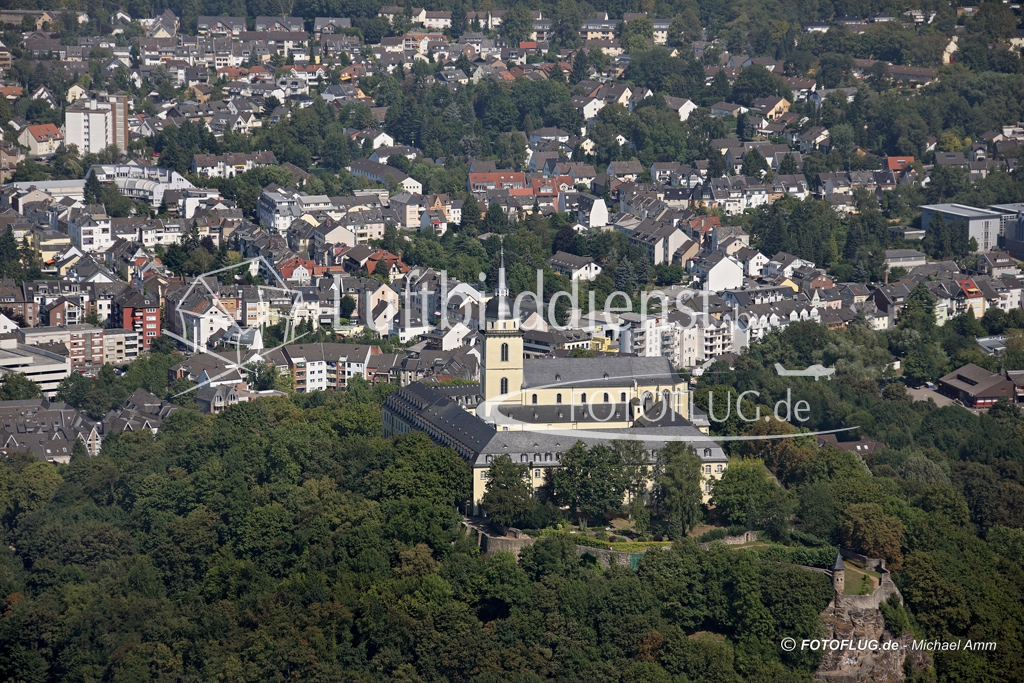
[(88, 127), (726, 274), (94, 124), (90, 233), (143, 183)]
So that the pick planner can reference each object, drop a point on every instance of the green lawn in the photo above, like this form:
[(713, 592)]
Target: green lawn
[(860, 581)]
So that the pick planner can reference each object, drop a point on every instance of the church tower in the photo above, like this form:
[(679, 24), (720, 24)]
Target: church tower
[(501, 371)]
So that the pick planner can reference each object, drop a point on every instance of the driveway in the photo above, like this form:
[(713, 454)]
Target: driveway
[(923, 394)]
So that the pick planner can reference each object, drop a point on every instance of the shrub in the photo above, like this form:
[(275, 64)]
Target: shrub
[(713, 535)]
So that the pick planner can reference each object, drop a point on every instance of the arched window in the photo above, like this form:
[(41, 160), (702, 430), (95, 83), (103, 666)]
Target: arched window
[(707, 469), (606, 397), (707, 452), (558, 398), (534, 399), (504, 385), (583, 398), (504, 353), (622, 397)]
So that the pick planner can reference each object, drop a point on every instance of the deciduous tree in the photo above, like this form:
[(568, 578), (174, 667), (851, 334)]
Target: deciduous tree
[(509, 496)]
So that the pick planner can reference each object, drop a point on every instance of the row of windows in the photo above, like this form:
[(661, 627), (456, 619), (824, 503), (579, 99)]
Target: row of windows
[(583, 397), (536, 475)]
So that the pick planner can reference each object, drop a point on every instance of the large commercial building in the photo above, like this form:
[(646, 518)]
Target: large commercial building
[(977, 387), (984, 225), (1012, 227), (43, 367)]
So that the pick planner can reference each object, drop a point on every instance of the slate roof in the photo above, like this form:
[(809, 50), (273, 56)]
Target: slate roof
[(838, 565), (607, 371)]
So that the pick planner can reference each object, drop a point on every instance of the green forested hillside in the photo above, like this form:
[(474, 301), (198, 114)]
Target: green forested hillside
[(943, 502), (285, 540)]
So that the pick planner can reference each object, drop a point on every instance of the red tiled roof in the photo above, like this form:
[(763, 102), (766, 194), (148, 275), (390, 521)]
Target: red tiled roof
[(898, 163), (45, 132)]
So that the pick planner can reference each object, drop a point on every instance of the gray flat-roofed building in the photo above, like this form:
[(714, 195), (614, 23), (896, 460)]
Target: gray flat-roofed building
[(43, 367), (984, 225), (905, 258), (905, 233), (1012, 227)]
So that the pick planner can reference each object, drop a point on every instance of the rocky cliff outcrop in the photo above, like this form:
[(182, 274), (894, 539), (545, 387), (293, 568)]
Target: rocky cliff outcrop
[(866, 650)]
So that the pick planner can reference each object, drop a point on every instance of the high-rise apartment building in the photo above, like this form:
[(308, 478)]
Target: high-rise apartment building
[(97, 122)]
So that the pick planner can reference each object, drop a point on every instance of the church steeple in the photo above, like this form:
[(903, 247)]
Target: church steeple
[(502, 289), (501, 367), (499, 308)]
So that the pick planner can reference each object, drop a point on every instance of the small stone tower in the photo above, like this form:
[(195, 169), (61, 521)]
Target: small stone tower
[(838, 574)]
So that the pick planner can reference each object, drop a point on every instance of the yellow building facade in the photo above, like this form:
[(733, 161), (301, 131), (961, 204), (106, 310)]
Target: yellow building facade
[(532, 403)]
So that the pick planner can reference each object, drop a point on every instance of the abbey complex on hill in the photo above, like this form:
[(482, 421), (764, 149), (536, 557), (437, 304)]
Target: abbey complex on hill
[(535, 409)]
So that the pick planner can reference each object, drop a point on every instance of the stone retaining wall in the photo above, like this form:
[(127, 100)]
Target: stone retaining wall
[(605, 558), (515, 543), (885, 590), (492, 544), (872, 563), (740, 539)]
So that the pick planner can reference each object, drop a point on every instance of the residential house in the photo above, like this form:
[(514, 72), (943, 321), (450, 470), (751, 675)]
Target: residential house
[(592, 211), (998, 264), (722, 109), (230, 165), (681, 106), (576, 267), (42, 140)]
